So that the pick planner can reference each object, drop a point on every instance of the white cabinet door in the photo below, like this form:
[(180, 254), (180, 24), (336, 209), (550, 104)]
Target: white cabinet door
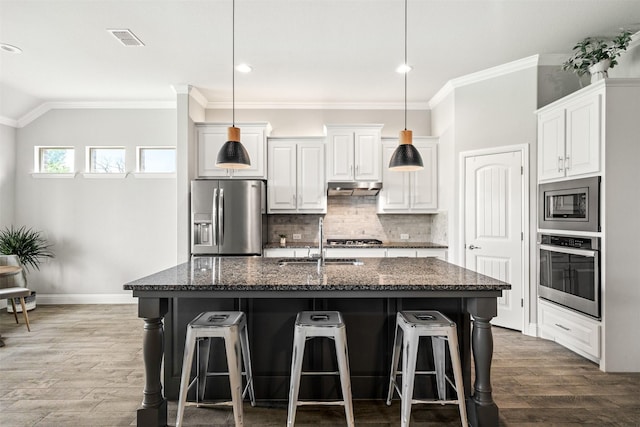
[(367, 155), (296, 176), (551, 144), (211, 138), (282, 176), (340, 155), (440, 253), (395, 185), (401, 253), (410, 192), (312, 195), (424, 183), (583, 137)]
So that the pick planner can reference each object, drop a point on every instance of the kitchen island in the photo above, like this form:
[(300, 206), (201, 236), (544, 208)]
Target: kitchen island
[(368, 295)]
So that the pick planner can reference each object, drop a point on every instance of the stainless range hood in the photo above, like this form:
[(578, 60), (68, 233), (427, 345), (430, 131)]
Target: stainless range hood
[(353, 188)]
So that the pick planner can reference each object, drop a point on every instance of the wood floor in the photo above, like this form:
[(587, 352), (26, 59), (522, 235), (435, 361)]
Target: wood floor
[(82, 366)]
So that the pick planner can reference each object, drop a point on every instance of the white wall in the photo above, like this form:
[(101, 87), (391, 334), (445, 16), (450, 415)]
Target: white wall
[(7, 174), (310, 122), (105, 231)]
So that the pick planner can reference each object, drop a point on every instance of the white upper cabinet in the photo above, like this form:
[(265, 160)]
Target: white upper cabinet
[(296, 176), (569, 137), (410, 192), (211, 137), (353, 152)]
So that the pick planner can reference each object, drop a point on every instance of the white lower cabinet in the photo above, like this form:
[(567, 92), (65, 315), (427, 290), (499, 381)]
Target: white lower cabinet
[(289, 252), (440, 253), (574, 331), (355, 252)]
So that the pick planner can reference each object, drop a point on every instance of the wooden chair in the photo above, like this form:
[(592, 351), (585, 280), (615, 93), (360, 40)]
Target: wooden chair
[(13, 284)]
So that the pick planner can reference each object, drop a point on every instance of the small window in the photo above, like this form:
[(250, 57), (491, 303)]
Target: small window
[(106, 159), (55, 159), (156, 159)]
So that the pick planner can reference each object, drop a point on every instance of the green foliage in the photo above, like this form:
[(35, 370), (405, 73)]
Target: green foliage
[(592, 50), (30, 247)]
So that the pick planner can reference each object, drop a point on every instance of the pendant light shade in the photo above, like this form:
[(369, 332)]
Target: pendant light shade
[(232, 154), (406, 157)]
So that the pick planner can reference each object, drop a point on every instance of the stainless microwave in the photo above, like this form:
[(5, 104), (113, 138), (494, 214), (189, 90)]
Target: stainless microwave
[(572, 205)]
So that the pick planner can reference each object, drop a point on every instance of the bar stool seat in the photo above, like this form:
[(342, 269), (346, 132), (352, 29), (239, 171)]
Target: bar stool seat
[(312, 324), (232, 327), (410, 326)]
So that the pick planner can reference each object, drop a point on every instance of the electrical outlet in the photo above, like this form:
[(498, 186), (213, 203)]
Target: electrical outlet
[(404, 237), (297, 236)]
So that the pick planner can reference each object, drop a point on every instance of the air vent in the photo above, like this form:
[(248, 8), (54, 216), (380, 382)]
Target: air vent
[(126, 37)]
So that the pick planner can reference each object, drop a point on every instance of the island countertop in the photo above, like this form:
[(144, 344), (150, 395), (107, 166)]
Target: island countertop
[(265, 274)]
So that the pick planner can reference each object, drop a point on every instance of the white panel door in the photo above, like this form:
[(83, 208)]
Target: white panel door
[(367, 155), (395, 185), (312, 195), (424, 183), (551, 145), (340, 155), (493, 227), (282, 176), (583, 137)]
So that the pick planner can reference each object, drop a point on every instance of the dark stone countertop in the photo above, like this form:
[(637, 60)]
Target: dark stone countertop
[(388, 245), (265, 274)]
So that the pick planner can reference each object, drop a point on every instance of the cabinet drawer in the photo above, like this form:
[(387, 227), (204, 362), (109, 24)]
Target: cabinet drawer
[(576, 332)]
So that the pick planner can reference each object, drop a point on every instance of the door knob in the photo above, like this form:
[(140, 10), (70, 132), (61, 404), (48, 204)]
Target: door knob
[(471, 247)]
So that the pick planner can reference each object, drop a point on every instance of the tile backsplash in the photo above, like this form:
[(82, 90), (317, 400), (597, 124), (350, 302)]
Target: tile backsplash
[(354, 217)]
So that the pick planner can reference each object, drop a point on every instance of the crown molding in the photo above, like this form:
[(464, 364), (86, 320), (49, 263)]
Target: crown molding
[(214, 105), (489, 73), (8, 122), (88, 105), (197, 96)]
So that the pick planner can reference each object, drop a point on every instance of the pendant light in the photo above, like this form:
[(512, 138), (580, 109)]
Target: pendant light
[(406, 157), (232, 154)]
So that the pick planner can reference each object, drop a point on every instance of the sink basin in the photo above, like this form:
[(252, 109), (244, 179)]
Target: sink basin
[(314, 261)]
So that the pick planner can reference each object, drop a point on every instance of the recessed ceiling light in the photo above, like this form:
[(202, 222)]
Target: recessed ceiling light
[(243, 68), (404, 68), (125, 36), (10, 48)]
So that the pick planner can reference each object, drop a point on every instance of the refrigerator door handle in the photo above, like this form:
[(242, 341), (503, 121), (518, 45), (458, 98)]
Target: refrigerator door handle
[(221, 216), (214, 218)]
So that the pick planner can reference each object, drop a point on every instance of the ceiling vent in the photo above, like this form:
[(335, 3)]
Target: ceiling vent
[(126, 37)]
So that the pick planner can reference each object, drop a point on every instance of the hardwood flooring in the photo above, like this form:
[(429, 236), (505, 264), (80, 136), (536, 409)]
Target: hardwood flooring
[(82, 366)]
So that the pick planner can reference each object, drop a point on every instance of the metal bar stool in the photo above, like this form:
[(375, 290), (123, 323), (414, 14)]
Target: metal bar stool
[(232, 327), (410, 326), (312, 324)]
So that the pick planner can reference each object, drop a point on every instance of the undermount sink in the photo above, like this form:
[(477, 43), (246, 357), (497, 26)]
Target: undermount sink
[(314, 261)]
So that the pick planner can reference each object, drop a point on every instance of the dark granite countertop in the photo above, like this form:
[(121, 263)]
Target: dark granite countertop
[(265, 274), (403, 245)]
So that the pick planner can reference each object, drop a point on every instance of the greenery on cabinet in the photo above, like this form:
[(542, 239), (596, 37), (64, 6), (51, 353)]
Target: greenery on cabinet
[(28, 244), (593, 50)]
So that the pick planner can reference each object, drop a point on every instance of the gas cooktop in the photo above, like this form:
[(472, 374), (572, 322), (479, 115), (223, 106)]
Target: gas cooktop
[(353, 242)]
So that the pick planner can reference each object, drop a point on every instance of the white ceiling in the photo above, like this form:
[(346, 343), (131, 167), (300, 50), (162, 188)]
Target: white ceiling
[(304, 52)]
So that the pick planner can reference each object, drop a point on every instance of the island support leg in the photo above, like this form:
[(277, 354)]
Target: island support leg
[(483, 411), (153, 411)]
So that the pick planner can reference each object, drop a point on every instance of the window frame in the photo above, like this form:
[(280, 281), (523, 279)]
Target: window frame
[(38, 157), (143, 174), (90, 171)]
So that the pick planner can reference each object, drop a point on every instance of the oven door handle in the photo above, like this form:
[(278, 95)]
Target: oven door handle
[(570, 251)]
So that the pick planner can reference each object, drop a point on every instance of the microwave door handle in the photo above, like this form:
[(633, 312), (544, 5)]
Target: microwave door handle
[(214, 218), (570, 251)]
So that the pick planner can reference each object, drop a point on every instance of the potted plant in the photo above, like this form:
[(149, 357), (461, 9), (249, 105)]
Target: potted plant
[(596, 55), (283, 240), (31, 249)]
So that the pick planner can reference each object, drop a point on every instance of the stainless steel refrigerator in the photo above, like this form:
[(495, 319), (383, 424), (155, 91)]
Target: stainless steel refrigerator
[(228, 217)]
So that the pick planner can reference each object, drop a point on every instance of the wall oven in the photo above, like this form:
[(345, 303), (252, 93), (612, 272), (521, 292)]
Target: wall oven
[(570, 205), (569, 272)]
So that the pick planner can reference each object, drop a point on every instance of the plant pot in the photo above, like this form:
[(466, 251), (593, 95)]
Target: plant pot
[(29, 303), (599, 71)]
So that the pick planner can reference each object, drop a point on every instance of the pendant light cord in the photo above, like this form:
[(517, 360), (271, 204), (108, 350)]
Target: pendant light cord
[(233, 62), (405, 64)]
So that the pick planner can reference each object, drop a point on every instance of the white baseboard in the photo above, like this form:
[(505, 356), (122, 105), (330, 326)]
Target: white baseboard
[(532, 331), (55, 299)]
